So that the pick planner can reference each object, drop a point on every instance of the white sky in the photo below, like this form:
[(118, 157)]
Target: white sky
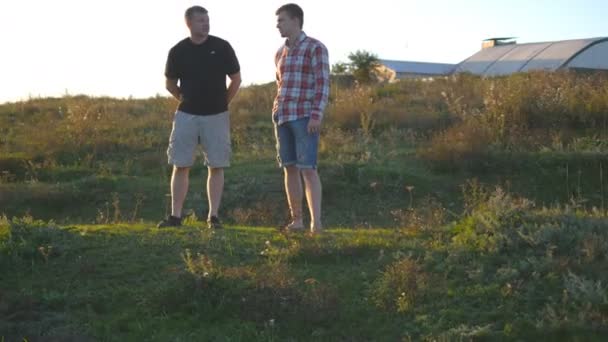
[(118, 48)]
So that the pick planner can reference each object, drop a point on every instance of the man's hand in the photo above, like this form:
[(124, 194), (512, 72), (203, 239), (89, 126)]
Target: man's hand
[(173, 88), (314, 126), (233, 87)]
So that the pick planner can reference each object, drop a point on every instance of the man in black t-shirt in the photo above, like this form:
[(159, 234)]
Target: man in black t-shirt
[(195, 74)]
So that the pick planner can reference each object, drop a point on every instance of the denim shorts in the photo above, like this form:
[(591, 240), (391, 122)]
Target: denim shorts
[(295, 146)]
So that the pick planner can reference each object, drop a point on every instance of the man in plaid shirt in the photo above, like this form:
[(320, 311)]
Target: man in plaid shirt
[(303, 89)]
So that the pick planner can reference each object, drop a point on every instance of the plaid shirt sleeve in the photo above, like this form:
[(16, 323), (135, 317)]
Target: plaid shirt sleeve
[(320, 68)]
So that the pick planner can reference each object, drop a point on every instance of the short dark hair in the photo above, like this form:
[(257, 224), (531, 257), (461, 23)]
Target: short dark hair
[(294, 11), (194, 9)]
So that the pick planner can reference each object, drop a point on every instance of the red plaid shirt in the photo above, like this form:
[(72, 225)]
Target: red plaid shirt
[(302, 80)]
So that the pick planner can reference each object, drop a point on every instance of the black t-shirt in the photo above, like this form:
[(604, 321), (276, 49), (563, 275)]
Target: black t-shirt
[(201, 70)]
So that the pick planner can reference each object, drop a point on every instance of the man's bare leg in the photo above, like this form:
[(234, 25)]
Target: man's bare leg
[(312, 183), (179, 189), (293, 190), (215, 189)]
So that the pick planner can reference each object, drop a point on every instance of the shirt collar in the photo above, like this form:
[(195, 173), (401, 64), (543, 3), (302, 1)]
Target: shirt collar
[(300, 38)]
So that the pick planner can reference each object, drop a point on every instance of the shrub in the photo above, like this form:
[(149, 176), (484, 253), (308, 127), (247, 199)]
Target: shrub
[(459, 147), (583, 304), (400, 286)]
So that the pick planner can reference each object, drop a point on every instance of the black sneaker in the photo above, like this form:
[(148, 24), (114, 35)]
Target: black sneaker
[(170, 221), (214, 223)]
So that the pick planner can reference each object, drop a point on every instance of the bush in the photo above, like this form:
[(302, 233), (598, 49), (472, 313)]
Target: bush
[(13, 167), (459, 147), (400, 286)]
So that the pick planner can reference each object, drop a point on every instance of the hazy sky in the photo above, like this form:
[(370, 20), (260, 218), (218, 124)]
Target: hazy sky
[(118, 48)]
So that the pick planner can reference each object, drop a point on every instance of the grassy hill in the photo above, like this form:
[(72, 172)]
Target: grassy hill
[(458, 209)]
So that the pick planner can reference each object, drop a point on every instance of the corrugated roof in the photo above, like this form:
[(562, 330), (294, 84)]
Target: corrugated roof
[(422, 68), (507, 59), (595, 57)]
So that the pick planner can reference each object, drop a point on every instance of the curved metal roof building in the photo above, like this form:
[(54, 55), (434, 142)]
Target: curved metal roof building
[(507, 58)]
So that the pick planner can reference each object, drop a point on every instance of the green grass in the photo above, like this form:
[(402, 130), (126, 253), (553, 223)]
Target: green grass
[(478, 277), (253, 193), (131, 282)]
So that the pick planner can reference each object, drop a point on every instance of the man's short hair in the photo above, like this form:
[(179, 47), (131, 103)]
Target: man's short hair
[(294, 11), (194, 9)]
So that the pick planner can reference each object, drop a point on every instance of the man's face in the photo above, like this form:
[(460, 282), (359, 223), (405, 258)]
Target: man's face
[(287, 25), (198, 24)]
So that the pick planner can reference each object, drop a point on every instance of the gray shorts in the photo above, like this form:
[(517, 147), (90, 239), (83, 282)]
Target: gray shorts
[(212, 132)]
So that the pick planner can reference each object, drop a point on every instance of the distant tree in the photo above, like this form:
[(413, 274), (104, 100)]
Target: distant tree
[(363, 65), (339, 71), (339, 68)]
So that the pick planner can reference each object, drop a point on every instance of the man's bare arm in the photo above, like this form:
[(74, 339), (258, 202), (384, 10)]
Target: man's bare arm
[(233, 87), (173, 88)]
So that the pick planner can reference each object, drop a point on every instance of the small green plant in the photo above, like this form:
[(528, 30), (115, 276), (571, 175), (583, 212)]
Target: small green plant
[(428, 217), (275, 273), (401, 284), (488, 226), (583, 302), (200, 266)]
